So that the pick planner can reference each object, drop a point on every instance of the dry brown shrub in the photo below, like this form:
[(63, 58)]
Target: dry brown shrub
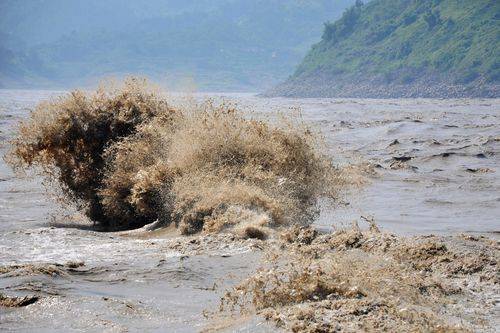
[(127, 158)]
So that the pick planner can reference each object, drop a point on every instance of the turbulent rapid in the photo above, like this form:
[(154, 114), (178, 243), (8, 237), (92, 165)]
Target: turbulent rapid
[(126, 158), (235, 213)]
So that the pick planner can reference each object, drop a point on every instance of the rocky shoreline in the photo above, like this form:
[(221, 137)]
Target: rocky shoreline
[(321, 86)]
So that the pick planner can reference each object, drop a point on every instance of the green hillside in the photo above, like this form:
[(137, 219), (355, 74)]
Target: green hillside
[(394, 48), (211, 45)]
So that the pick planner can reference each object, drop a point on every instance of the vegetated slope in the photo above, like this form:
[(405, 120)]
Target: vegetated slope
[(220, 45), (405, 48)]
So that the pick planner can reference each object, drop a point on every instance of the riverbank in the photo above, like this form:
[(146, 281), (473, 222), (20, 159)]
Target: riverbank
[(318, 85)]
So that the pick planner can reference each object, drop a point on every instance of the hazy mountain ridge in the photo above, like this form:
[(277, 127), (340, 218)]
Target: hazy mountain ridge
[(216, 45), (404, 48)]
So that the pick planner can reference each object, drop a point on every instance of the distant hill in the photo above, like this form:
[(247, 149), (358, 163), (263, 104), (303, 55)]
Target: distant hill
[(404, 48), (211, 45)]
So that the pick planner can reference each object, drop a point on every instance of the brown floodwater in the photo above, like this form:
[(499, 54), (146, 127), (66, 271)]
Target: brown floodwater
[(436, 169)]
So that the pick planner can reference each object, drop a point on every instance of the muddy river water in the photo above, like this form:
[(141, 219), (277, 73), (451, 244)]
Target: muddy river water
[(435, 170)]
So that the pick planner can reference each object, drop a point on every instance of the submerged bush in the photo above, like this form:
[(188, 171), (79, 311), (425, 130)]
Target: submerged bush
[(127, 158)]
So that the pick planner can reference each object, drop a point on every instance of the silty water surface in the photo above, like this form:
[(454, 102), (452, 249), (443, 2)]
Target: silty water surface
[(437, 170)]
